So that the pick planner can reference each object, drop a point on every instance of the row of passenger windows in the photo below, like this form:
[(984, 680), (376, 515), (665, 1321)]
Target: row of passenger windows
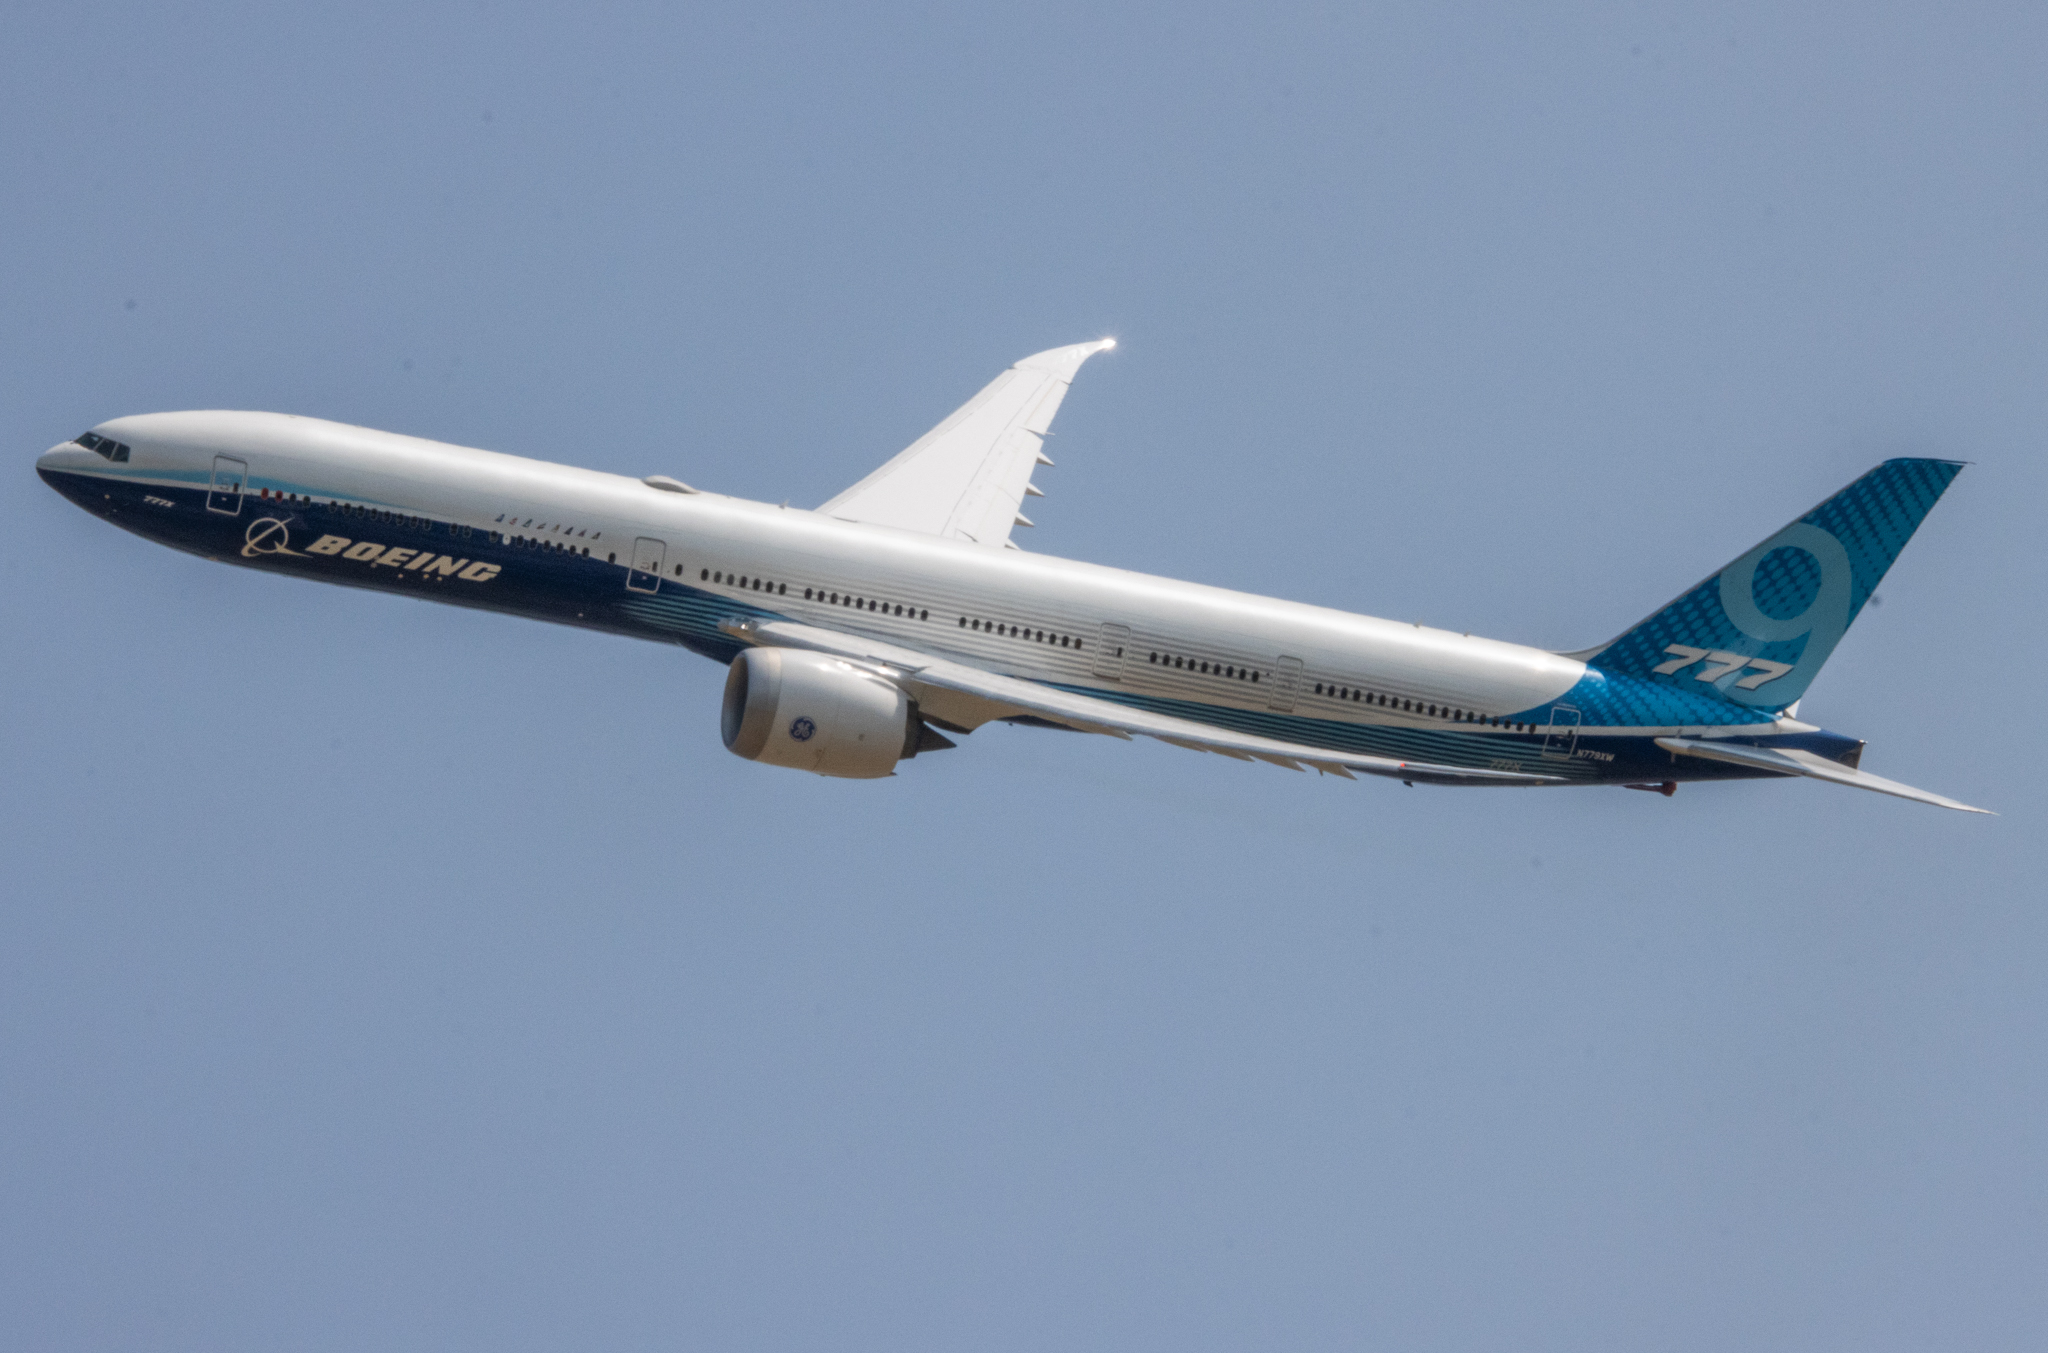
[(1223, 669), (510, 521), (1231, 672), (735, 580), (1408, 706), (748, 583), (1003, 629), (106, 446), (880, 607), (403, 520), (536, 543), (388, 518)]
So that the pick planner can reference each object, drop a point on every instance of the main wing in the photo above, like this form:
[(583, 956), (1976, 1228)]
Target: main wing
[(965, 696), (967, 477)]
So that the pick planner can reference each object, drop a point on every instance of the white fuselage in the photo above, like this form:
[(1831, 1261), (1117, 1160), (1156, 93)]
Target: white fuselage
[(1002, 609)]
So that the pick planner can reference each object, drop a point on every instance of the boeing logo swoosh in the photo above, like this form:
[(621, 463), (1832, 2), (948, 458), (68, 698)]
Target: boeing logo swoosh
[(268, 536)]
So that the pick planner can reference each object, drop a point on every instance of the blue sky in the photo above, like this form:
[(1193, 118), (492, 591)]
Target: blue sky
[(374, 974)]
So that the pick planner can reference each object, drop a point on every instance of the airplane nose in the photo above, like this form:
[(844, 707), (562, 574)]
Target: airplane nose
[(62, 456), (64, 464), (78, 454)]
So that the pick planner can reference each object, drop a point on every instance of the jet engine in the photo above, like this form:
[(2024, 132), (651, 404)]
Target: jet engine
[(822, 714)]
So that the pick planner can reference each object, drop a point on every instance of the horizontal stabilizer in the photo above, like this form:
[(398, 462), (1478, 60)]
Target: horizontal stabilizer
[(1793, 761)]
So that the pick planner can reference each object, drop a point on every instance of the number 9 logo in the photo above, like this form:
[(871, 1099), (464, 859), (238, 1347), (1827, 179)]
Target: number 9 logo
[(1823, 620)]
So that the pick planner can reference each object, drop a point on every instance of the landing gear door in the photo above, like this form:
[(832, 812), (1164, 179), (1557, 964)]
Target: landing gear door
[(645, 574), (225, 495), (1110, 643), (1564, 732)]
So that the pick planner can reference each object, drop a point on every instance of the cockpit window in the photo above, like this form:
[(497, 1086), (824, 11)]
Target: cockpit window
[(106, 446)]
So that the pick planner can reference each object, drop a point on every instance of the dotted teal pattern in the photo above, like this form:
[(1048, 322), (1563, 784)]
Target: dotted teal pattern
[(1873, 519)]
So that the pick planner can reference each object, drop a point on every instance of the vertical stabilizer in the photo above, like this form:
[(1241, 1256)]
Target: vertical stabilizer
[(1756, 633)]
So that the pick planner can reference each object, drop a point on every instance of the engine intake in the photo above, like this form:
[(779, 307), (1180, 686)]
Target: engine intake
[(809, 711)]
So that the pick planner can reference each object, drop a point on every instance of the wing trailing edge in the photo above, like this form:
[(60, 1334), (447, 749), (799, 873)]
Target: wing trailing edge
[(967, 696)]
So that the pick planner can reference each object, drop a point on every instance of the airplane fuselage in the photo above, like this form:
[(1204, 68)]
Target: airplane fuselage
[(342, 504)]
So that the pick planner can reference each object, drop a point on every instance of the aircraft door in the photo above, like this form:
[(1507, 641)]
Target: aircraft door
[(1286, 684), (1564, 732), (225, 495), (1110, 643), (645, 574)]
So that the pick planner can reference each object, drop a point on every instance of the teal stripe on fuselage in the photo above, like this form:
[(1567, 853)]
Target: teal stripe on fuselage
[(1401, 742)]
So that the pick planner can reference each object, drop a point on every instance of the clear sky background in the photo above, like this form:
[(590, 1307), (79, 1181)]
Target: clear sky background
[(381, 975)]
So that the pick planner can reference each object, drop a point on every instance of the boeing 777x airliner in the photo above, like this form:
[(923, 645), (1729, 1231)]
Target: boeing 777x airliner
[(856, 632)]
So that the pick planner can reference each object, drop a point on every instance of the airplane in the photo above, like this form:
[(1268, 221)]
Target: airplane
[(859, 634)]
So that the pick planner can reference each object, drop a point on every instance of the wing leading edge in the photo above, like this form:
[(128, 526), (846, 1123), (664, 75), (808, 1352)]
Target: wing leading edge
[(967, 477)]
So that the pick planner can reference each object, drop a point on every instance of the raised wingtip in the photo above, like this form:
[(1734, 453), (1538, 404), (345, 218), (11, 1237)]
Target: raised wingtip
[(1064, 362)]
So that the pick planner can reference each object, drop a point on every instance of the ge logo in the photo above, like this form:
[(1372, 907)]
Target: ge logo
[(802, 729)]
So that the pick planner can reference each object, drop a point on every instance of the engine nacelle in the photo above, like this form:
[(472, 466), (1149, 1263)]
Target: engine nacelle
[(817, 713)]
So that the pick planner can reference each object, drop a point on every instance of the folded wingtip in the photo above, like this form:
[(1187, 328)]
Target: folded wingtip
[(1064, 362)]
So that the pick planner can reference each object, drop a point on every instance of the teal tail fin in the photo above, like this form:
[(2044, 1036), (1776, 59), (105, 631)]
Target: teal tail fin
[(1757, 632)]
